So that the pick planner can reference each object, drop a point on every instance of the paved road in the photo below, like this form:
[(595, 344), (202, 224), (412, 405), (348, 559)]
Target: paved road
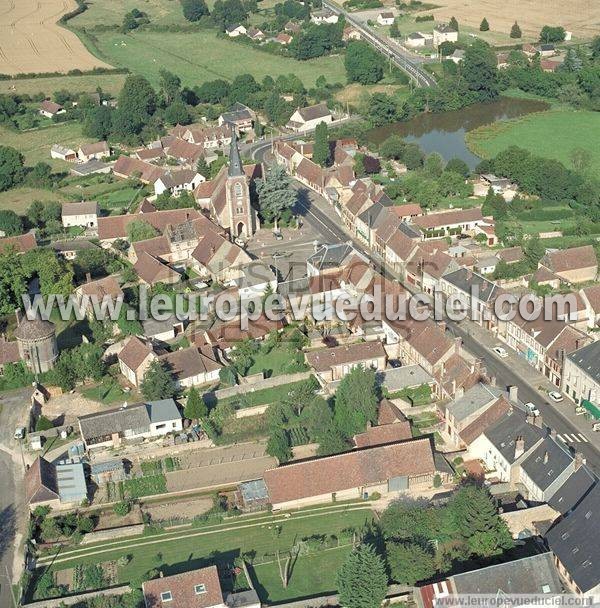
[(405, 60), (9, 508)]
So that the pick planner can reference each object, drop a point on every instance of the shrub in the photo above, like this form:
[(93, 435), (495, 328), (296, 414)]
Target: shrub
[(122, 508)]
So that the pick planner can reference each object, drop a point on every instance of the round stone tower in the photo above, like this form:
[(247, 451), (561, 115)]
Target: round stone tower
[(37, 344)]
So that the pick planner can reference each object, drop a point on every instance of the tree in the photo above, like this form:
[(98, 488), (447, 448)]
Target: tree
[(392, 147), (434, 165), (453, 23), (158, 382), (363, 63), (194, 9), (97, 123), (394, 30), (10, 223), (137, 103), (278, 445), (12, 171), (43, 424), (484, 26), (356, 401), (550, 34), (214, 91), (275, 193), (457, 165), (332, 441), (122, 508), (195, 408), (140, 230), (362, 580), (170, 85), (177, 113), (321, 152), (409, 562), (480, 71), (412, 157), (277, 109), (595, 46), (382, 109), (228, 12), (515, 31)]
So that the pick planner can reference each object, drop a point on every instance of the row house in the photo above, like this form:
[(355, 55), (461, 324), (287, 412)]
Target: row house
[(185, 153), (575, 265), (455, 222), (544, 344), (128, 167), (209, 137), (427, 265), (176, 182), (581, 377)]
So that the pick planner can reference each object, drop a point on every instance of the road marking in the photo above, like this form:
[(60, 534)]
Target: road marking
[(562, 438), (584, 438), (576, 438)]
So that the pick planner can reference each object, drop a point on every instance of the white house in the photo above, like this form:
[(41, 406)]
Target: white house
[(305, 119), (176, 182), (444, 33), (386, 18), (84, 214), (110, 428), (233, 31), (49, 109), (417, 40), (62, 153), (96, 151), (324, 16), (255, 280)]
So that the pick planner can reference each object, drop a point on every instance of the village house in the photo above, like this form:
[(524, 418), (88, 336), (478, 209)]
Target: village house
[(233, 31), (417, 40), (472, 411), (306, 119), (575, 265), (351, 33), (111, 428), (255, 34), (19, 244), (209, 137), (63, 153), (55, 485), (544, 344), (324, 15), (388, 470), (187, 154), (332, 364), (591, 300), (238, 116), (128, 167), (106, 289), (134, 359), (193, 589), (328, 259), (444, 33), (283, 38), (97, 151), (581, 377), (90, 168), (255, 280), (164, 329), (385, 18), (426, 266), (455, 222), (49, 109), (152, 270), (574, 544), (176, 182), (84, 214)]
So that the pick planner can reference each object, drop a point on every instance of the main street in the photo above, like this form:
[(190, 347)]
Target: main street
[(574, 431)]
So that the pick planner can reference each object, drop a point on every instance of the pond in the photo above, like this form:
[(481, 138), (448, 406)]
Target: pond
[(444, 133)]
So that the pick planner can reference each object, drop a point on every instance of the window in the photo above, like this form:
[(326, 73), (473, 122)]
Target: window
[(166, 596), (199, 589)]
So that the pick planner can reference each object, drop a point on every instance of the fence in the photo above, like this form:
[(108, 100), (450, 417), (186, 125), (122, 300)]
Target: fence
[(257, 386)]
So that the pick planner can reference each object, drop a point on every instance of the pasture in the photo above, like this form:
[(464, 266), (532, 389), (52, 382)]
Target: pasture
[(555, 134), (110, 83), (202, 56), (32, 41)]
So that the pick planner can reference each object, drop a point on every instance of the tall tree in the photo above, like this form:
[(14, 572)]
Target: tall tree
[(484, 26), (278, 445), (158, 382), (453, 23), (170, 85), (195, 408), (10, 223), (363, 63), (515, 31), (480, 71), (12, 171), (137, 103), (275, 193), (321, 152), (409, 562), (193, 10), (362, 580), (356, 401)]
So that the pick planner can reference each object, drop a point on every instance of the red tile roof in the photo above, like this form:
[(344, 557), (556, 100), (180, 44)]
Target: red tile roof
[(448, 218), (115, 226), (381, 435), (324, 359), (134, 353), (21, 243), (127, 166), (350, 470), (183, 590), (564, 260)]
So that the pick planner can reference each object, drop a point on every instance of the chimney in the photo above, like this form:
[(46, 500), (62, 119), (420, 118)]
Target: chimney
[(553, 433), (546, 457), (538, 421), (530, 419), (476, 365), (457, 344), (579, 342), (18, 315), (88, 277), (493, 380), (513, 392), (519, 447), (442, 325), (460, 392), (579, 460), (561, 354)]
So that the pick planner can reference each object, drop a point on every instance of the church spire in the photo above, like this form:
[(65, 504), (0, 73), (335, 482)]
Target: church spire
[(235, 162)]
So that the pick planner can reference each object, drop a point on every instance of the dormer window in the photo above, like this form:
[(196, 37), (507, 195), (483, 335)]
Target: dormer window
[(166, 596), (200, 589)]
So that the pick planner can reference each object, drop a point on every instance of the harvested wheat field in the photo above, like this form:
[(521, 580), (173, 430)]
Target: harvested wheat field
[(581, 17), (32, 41)]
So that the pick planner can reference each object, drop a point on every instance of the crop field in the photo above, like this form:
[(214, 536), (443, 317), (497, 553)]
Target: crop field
[(201, 56), (110, 83), (32, 41), (578, 16), (554, 134)]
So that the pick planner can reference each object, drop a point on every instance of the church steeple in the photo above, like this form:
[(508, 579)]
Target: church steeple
[(236, 168)]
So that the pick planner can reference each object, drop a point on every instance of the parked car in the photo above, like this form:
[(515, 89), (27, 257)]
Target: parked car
[(555, 396), (19, 432), (501, 352), (596, 426), (532, 409)]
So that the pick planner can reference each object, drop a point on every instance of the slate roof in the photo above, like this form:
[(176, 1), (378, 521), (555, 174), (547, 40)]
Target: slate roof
[(587, 359), (182, 589), (406, 376), (330, 256), (535, 574), (575, 540), (473, 400), (568, 496), (354, 469), (466, 280), (546, 462)]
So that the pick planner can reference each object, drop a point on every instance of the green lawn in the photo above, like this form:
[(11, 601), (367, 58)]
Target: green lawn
[(553, 134), (197, 547), (110, 83), (107, 393), (19, 199), (201, 56), (280, 360), (112, 13)]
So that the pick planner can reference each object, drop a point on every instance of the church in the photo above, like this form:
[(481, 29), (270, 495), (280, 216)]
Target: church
[(227, 197)]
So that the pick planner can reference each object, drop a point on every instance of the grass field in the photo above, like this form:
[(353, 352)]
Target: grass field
[(201, 56), (111, 83), (552, 134), (160, 12), (35, 145), (19, 199), (197, 547)]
